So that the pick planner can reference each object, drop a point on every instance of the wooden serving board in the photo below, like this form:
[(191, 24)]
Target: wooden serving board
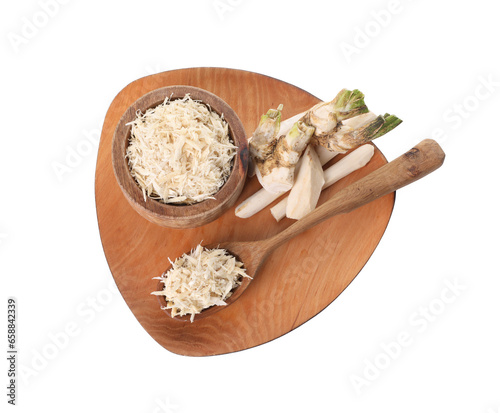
[(298, 280)]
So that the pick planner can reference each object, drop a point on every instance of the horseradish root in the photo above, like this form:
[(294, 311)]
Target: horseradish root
[(348, 164), (305, 193), (274, 156), (263, 198), (285, 126), (326, 117), (264, 138), (338, 126), (348, 138), (276, 173)]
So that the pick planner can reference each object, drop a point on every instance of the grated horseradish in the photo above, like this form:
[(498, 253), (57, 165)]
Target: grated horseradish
[(180, 152), (199, 280)]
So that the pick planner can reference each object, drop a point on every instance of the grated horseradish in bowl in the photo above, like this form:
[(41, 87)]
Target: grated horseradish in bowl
[(180, 156)]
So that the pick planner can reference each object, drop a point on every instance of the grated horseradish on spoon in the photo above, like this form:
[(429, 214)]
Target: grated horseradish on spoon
[(199, 280)]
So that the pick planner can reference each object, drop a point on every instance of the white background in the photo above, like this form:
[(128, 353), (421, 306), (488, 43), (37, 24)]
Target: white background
[(424, 63)]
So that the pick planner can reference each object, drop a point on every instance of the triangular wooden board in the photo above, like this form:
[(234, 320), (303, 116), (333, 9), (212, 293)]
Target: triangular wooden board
[(298, 280)]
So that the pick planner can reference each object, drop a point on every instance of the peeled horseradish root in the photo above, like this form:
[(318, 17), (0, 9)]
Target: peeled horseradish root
[(307, 188), (296, 207)]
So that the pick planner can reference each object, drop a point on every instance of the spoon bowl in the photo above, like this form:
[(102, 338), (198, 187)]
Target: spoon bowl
[(418, 162), (252, 254)]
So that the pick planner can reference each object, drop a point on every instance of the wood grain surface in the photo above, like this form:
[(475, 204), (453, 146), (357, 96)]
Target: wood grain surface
[(297, 281)]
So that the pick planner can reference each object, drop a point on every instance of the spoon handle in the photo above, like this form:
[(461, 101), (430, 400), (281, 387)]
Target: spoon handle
[(419, 161)]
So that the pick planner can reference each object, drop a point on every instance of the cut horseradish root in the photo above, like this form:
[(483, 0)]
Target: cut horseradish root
[(305, 193), (199, 280), (349, 134), (348, 164), (180, 152)]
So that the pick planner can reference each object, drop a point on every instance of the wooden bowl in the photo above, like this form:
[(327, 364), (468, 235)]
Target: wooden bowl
[(180, 216)]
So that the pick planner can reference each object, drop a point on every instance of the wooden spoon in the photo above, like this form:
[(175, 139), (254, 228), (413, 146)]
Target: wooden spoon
[(418, 162)]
